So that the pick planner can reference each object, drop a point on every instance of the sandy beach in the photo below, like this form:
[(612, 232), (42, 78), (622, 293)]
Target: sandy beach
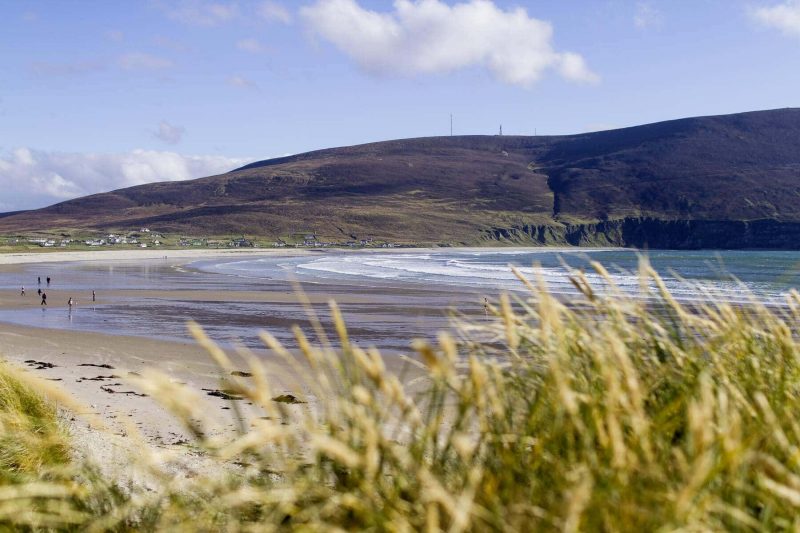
[(127, 255), (95, 367)]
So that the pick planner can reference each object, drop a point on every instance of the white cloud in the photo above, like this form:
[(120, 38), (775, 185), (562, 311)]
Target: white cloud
[(169, 133), (34, 178), (646, 16), (242, 83), (274, 12), (250, 45), (573, 67), (199, 12), (141, 61), (430, 36), (784, 17)]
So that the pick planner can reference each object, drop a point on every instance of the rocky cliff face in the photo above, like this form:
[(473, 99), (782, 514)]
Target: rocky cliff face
[(654, 233)]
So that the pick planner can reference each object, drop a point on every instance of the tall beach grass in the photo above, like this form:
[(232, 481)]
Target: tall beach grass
[(611, 412)]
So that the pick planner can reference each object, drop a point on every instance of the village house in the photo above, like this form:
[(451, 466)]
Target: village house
[(242, 243)]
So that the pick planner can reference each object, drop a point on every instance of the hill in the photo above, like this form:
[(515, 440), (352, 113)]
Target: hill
[(725, 181)]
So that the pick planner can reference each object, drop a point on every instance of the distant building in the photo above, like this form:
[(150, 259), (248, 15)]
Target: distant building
[(242, 243)]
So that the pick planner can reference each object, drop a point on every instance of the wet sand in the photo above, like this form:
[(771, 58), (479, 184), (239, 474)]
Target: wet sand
[(13, 258), (94, 369), (155, 298), (93, 366)]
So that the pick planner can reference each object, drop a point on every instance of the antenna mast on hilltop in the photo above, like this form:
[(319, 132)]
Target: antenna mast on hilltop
[(501, 130), (451, 124)]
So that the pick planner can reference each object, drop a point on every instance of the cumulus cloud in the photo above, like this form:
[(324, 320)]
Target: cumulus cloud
[(34, 178), (274, 12), (784, 16), (199, 12), (242, 82), (646, 16), (430, 36), (169, 133), (141, 61), (250, 45)]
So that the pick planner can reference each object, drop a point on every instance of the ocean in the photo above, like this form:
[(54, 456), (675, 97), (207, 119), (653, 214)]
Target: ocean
[(733, 276), (388, 298)]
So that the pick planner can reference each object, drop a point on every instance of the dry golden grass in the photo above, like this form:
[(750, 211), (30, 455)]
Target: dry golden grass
[(610, 413)]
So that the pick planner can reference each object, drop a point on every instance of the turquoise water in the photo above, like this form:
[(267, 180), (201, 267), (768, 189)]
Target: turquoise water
[(729, 275), (387, 298)]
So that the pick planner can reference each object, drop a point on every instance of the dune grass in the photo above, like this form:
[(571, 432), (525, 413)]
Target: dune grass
[(36, 475), (31, 439), (610, 412)]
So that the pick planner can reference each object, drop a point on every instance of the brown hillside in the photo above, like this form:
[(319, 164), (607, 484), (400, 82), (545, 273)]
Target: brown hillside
[(734, 168)]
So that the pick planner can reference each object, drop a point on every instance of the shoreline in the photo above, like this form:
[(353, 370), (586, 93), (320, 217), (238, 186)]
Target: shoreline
[(94, 370), (22, 258), (159, 300), (92, 366)]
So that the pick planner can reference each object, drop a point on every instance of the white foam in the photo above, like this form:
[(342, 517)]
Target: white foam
[(472, 270)]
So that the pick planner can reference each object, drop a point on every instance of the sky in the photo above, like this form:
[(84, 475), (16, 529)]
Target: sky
[(97, 95)]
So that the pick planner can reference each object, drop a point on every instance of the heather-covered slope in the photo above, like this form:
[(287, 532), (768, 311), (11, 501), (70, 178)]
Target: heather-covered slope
[(632, 186)]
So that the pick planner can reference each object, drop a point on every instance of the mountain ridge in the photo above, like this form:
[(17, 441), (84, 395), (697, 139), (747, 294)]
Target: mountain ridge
[(725, 169)]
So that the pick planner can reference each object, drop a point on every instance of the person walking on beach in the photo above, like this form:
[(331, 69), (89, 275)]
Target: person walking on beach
[(39, 280), (44, 299), (39, 291), (23, 291), (48, 281), (93, 296), (69, 303)]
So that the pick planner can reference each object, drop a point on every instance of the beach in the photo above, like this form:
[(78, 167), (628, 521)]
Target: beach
[(145, 298), (96, 367), (96, 359)]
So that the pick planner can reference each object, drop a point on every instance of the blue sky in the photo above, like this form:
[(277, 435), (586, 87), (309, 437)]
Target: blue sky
[(101, 95)]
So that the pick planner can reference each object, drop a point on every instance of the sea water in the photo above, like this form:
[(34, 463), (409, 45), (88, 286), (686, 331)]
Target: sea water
[(401, 294), (733, 276)]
